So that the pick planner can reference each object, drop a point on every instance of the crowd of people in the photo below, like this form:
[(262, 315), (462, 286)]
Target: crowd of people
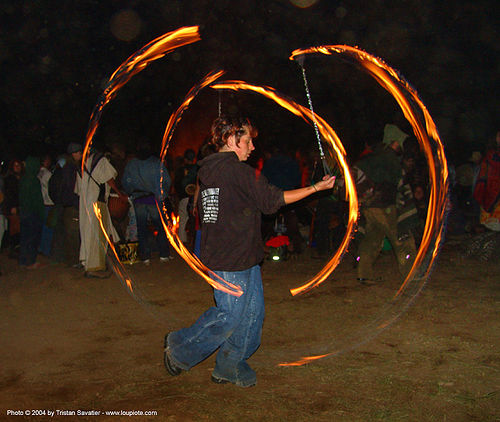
[(46, 202), (231, 213)]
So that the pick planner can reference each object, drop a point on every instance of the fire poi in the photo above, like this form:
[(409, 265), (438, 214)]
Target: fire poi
[(413, 109)]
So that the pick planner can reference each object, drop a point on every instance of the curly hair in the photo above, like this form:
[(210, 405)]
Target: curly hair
[(226, 126)]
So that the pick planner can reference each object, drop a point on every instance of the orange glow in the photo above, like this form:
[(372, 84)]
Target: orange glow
[(117, 268), (303, 4)]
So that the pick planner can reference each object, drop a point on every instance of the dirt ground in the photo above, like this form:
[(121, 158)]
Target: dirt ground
[(72, 344)]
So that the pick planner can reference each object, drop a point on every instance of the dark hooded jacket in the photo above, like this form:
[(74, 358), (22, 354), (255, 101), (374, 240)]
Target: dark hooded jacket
[(231, 201), (30, 190), (384, 173)]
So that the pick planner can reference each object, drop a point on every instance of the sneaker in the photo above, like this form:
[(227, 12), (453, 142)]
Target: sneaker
[(166, 258), (167, 360), (244, 376), (243, 384), (146, 261)]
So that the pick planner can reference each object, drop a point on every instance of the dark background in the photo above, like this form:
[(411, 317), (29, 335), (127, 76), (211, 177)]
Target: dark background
[(56, 57)]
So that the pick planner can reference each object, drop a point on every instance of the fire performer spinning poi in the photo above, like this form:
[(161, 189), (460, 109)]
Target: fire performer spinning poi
[(230, 204)]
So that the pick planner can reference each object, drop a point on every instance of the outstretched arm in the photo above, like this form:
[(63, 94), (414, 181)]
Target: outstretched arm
[(295, 195), (112, 183)]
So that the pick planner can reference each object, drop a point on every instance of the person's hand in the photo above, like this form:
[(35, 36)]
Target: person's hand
[(326, 183)]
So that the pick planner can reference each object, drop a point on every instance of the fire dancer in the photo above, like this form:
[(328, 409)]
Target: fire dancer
[(230, 204)]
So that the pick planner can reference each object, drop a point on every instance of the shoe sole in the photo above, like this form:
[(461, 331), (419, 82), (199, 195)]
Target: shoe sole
[(224, 381), (219, 380)]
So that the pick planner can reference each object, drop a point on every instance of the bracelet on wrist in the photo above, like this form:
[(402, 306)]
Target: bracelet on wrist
[(314, 186)]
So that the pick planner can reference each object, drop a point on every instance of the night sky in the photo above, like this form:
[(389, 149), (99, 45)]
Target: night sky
[(56, 57)]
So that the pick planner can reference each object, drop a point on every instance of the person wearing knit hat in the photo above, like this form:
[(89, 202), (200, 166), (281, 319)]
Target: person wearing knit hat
[(73, 147), (379, 179), (394, 137)]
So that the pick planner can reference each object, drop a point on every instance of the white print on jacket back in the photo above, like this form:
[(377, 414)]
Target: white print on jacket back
[(210, 204)]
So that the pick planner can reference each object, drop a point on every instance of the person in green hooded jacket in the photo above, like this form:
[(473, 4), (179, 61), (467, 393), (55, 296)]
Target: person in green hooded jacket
[(31, 211), (387, 206)]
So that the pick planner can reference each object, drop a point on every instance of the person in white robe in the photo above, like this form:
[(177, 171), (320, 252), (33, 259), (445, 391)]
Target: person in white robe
[(93, 246)]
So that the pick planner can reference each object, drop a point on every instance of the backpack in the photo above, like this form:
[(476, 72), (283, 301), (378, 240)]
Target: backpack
[(55, 186)]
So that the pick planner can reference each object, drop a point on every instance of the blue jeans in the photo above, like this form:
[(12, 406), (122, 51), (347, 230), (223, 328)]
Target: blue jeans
[(234, 327), (47, 235), (146, 213)]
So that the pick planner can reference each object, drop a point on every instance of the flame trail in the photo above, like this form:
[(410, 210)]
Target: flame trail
[(302, 112), (331, 137), (171, 225), (413, 109), (425, 131), (427, 135), (172, 234), (137, 62)]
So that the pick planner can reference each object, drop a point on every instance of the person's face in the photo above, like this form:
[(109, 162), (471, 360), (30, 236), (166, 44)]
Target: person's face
[(244, 147), (17, 167), (77, 156), (418, 193), (397, 148), (409, 163)]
